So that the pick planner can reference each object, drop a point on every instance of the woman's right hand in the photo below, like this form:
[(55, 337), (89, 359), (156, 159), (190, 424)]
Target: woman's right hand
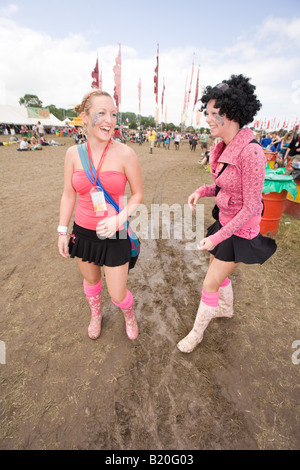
[(193, 199), (63, 246)]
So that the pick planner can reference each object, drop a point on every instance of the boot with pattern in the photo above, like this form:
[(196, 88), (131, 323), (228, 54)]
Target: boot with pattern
[(225, 307), (93, 295), (204, 315), (126, 306)]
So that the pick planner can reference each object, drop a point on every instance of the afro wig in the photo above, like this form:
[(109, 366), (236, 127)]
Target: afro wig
[(235, 98)]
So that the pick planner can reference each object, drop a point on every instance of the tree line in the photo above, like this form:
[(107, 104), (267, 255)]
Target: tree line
[(132, 120)]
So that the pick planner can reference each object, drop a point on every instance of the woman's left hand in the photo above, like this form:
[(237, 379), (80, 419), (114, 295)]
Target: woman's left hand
[(107, 227), (205, 244)]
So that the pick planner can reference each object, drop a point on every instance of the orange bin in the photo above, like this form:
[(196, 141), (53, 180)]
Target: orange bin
[(273, 207)]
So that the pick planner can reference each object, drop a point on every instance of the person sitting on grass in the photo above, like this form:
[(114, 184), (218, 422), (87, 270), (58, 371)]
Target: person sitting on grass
[(24, 145)]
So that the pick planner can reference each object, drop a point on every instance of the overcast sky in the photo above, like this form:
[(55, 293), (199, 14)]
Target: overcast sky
[(50, 49)]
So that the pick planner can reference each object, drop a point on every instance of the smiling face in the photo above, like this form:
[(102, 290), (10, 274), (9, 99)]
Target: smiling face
[(218, 123), (101, 118)]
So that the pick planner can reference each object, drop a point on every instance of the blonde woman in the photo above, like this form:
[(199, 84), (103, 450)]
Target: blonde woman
[(99, 239)]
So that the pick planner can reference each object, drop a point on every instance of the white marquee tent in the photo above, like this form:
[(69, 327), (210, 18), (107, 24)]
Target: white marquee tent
[(19, 115)]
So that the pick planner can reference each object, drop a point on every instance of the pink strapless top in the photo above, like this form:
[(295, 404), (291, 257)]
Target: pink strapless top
[(114, 182)]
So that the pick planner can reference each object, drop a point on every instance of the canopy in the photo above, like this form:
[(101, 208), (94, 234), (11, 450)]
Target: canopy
[(19, 115)]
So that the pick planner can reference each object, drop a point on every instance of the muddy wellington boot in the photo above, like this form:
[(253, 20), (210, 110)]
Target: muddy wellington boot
[(225, 307), (206, 312), (93, 295), (126, 306)]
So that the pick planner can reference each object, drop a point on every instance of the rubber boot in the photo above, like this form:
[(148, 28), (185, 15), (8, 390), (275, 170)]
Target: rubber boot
[(225, 307), (93, 295), (126, 306), (204, 315)]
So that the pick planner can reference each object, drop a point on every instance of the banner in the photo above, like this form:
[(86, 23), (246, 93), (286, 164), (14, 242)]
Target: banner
[(117, 72), (197, 90), (183, 114), (95, 76), (162, 96), (100, 80), (190, 89), (37, 113), (156, 76)]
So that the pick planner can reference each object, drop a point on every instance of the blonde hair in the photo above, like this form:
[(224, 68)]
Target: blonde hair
[(86, 102), (287, 137)]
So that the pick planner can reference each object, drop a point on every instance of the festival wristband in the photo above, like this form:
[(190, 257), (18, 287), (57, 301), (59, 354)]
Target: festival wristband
[(62, 229)]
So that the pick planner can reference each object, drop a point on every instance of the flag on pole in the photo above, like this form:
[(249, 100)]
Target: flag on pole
[(166, 115), (190, 89), (139, 94), (117, 72), (95, 76), (156, 76), (162, 96), (197, 90), (100, 80), (183, 114)]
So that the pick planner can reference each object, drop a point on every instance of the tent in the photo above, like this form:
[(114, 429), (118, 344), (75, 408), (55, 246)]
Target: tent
[(20, 115)]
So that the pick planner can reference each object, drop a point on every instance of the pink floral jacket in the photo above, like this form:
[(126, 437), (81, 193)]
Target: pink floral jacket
[(240, 197)]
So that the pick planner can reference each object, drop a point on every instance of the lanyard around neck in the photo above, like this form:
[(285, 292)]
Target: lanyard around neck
[(100, 162)]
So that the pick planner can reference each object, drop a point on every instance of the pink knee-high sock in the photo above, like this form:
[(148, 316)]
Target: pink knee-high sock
[(210, 298), (226, 282), (91, 291), (127, 302)]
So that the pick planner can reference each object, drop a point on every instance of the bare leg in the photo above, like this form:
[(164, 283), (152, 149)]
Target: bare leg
[(90, 272), (116, 281), (217, 272)]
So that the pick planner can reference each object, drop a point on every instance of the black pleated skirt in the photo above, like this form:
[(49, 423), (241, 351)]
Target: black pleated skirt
[(86, 245), (238, 249)]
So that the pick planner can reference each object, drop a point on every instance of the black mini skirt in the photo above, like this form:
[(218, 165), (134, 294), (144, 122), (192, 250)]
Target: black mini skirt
[(85, 244), (238, 249)]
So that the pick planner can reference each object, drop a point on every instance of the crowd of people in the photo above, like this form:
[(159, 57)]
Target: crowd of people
[(285, 145)]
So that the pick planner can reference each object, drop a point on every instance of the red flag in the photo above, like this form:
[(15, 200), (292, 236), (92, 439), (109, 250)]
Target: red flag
[(190, 89), (183, 117), (156, 76), (197, 89), (117, 72), (95, 76), (139, 93), (100, 80), (162, 96)]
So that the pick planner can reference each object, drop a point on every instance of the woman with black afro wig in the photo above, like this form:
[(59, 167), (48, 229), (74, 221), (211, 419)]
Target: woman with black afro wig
[(237, 166)]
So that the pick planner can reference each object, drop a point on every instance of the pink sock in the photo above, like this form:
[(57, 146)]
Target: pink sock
[(225, 282), (91, 291), (210, 298), (127, 302)]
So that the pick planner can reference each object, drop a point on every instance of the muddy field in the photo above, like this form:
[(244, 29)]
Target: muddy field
[(60, 390)]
